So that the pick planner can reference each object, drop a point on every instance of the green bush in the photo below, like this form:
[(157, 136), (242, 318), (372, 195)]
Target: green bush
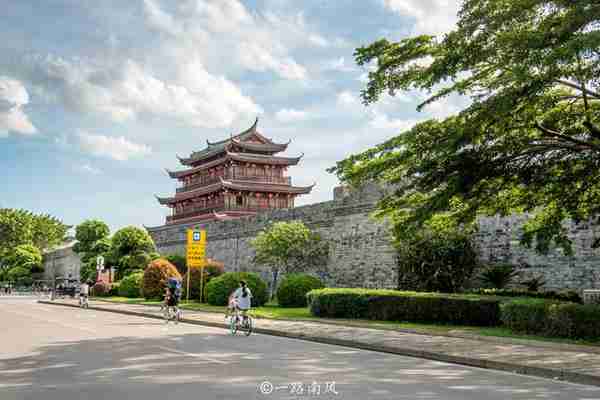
[(210, 271), (436, 261), (219, 289), (292, 291), (101, 289), (155, 278), (525, 315), (551, 318), (131, 285), (114, 289), (567, 295), (393, 305)]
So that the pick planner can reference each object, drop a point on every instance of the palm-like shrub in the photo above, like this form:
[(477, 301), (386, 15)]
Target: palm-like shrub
[(155, 278), (498, 276)]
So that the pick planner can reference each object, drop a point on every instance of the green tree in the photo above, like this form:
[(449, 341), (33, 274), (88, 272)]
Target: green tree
[(88, 234), (528, 142), (288, 247), (27, 256), (18, 227), (21, 275), (132, 248)]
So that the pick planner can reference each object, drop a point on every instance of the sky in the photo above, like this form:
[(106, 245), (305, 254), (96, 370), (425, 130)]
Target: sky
[(97, 98)]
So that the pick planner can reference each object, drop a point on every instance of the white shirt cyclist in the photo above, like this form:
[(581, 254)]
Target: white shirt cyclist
[(244, 303)]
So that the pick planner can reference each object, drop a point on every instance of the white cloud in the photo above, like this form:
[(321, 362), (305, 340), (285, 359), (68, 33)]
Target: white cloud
[(380, 120), (291, 115), (127, 90), (91, 170), (432, 16), (228, 36), (347, 98), (13, 96), (339, 64), (117, 148)]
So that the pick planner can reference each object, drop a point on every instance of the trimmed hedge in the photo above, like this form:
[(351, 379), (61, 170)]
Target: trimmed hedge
[(210, 272), (292, 291), (219, 289), (392, 305), (101, 289), (567, 295), (551, 318), (131, 285), (155, 278)]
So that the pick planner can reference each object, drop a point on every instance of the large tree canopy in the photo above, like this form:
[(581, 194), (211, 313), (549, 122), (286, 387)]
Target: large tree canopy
[(529, 141), (88, 233), (20, 227)]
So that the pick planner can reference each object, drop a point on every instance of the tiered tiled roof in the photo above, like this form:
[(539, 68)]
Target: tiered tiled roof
[(244, 157), (264, 145)]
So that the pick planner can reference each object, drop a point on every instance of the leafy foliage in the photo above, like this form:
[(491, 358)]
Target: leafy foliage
[(131, 285), (566, 295), (293, 289), (439, 260), (179, 262), (289, 247), (498, 276), (21, 227), (392, 305), (27, 256), (132, 249), (210, 271), (528, 142), (551, 318), (219, 289), (19, 274), (156, 276), (88, 233)]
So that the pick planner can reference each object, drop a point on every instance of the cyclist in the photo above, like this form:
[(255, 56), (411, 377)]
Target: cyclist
[(242, 297), (173, 294), (84, 292)]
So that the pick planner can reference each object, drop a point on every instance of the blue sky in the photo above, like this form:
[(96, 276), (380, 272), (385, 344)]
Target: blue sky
[(98, 97)]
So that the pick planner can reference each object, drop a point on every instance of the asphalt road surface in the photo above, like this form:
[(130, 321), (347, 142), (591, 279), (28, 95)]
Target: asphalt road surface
[(59, 353)]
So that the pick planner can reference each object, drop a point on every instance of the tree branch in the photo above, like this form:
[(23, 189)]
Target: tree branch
[(551, 133), (578, 87)]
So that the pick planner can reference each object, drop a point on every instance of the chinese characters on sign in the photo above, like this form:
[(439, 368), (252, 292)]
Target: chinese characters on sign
[(196, 248), (299, 388)]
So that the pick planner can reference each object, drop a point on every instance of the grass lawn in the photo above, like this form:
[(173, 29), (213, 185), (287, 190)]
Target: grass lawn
[(273, 311)]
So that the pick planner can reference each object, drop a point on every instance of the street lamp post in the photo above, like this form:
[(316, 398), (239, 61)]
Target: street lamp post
[(52, 293)]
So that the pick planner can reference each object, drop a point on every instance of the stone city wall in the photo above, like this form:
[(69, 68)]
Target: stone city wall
[(360, 251)]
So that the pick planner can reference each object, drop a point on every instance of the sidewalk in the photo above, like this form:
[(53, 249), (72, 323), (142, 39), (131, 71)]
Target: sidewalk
[(570, 363)]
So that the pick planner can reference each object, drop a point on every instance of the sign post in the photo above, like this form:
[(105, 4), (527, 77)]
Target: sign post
[(195, 255), (99, 267)]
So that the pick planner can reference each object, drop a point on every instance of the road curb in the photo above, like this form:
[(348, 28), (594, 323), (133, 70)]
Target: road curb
[(548, 373)]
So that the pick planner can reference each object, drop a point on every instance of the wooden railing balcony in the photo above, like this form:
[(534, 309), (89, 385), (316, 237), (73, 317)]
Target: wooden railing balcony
[(191, 212), (209, 180)]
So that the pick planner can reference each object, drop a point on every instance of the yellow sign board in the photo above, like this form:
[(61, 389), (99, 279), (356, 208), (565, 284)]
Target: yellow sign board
[(196, 248)]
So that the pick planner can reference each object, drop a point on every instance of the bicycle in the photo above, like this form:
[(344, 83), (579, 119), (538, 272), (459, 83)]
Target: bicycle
[(83, 302), (171, 313), (241, 322)]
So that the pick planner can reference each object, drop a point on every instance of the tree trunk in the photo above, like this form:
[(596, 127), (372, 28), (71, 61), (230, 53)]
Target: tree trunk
[(275, 273)]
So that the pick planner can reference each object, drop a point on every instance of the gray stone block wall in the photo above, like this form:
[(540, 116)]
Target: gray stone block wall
[(360, 251)]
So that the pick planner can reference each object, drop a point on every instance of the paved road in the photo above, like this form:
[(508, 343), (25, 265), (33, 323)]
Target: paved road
[(49, 352)]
